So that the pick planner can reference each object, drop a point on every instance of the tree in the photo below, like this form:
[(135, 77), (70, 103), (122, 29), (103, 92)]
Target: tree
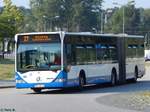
[(85, 14), (146, 27), (10, 22), (28, 24), (146, 20), (72, 15), (132, 23)]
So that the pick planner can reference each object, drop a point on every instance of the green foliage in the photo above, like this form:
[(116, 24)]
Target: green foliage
[(74, 15), (115, 24), (70, 15), (6, 27), (133, 17), (146, 27), (146, 21), (28, 24), (6, 69), (10, 20)]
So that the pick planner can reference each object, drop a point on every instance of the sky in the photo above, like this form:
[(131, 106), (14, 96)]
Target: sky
[(24, 3), (138, 3), (106, 4)]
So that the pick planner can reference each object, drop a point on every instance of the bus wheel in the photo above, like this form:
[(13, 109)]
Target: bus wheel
[(36, 90), (113, 78), (135, 74), (82, 80)]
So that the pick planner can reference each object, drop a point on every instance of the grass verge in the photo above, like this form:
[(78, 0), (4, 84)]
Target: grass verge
[(6, 69)]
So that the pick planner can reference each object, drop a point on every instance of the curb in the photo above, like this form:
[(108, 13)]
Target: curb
[(7, 84), (3, 87)]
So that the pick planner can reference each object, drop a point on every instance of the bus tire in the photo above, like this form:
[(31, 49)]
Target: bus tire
[(113, 77), (82, 79), (135, 74), (37, 90)]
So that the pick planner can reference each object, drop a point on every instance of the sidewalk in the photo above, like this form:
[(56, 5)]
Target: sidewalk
[(7, 83)]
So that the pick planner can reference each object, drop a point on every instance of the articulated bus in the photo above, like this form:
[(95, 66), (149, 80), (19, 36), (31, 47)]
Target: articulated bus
[(47, 60)]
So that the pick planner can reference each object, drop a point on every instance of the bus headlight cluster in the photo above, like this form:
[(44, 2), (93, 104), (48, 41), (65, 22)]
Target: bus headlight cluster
[(20, 81)]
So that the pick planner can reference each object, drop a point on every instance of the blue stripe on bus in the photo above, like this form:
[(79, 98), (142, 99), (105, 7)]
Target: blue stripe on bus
[(68, 83), (98, 79), (72, 82), (42, 85), (53, 84), (89, 80)]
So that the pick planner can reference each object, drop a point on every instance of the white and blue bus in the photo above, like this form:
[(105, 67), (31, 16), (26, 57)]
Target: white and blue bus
[(46, 60)]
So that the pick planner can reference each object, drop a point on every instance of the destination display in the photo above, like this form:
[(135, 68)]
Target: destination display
[(38, 38)]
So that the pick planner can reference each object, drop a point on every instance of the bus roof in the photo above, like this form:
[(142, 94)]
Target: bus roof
[(82, 34), (103, 35)]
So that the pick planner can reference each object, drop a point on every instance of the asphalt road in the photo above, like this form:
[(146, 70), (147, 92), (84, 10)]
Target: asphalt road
[(14, 100)]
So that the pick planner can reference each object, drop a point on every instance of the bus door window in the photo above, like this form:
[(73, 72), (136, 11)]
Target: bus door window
[(70, 56)]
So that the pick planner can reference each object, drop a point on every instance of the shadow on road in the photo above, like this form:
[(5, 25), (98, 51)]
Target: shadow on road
[(102, 88)]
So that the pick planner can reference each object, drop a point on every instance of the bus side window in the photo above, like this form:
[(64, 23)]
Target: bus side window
[(90, 54), (141, 50), (132, 51), (80, 55), (101, 53), (104, 50), (112, 52)]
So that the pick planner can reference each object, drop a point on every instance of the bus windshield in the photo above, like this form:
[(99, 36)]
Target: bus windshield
[(39, 56)]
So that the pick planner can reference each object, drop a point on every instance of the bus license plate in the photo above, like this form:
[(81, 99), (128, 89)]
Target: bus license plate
[(39, 86)]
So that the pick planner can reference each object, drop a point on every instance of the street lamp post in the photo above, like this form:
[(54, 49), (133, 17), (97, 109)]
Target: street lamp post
[(123, 14), (45, 23), (102, 22), (101, 18), (123, 26)]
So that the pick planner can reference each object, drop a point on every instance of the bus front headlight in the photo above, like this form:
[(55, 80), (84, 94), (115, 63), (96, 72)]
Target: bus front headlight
[(60, 80), (20, 81)]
